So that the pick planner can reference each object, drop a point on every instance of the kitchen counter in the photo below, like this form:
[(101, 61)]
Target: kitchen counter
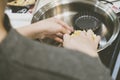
[(23, 19)]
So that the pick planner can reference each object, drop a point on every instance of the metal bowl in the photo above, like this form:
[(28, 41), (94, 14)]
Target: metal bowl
[(97, 16)]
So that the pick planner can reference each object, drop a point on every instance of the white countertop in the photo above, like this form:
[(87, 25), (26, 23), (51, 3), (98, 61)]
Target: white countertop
[(23, 19), (19, 20)]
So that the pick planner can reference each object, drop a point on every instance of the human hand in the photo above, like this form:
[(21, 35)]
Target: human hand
[(50, 28), (86, 42)]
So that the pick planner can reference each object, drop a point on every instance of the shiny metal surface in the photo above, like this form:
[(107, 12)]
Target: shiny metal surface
[(67, 10)]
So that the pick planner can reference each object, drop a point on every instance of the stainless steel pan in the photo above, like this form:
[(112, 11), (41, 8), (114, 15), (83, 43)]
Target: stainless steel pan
[(84, 14)]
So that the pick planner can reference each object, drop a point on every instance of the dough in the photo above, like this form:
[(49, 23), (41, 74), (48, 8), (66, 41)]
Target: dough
[(21, 2)]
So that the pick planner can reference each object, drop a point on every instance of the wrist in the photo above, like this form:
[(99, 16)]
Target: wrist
[(91, 53)]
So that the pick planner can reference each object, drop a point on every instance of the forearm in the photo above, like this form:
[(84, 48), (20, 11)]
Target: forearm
[(30, 31), (26, 31)]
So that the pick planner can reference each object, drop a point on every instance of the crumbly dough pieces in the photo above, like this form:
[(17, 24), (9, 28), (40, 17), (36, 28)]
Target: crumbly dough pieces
[(76, 32), (21, 2)]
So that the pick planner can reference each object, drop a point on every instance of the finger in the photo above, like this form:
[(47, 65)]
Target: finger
[(66, 37), (64, 31), (59, 34), (97, 39), (60, 29), (83, 33), (64, 24), (90, 34), (90, 31), (42, 36), (58, 39)]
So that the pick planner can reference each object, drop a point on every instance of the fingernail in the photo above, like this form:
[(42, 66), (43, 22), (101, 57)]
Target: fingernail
[(72, 28), (68, 31)]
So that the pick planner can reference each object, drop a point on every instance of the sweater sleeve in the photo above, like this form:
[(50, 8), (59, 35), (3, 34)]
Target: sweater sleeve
[(25, 59)]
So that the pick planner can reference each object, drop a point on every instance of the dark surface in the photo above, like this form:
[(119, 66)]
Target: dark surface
[(118, 77), (109, 55)]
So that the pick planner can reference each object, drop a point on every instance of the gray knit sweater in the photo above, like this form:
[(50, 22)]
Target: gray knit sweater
[(25, 59)]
